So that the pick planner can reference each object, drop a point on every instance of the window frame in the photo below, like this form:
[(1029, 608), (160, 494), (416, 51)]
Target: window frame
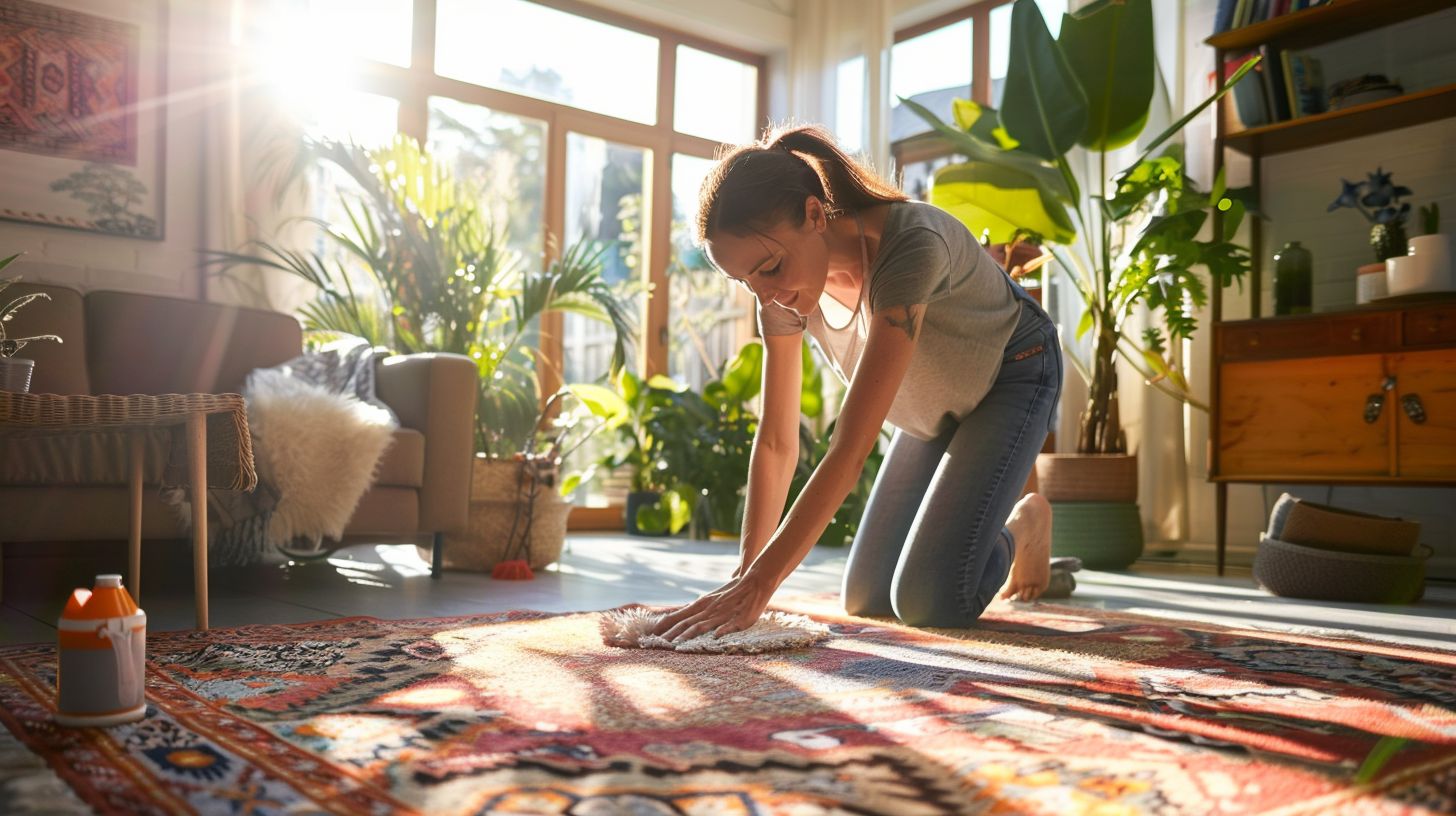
[(930, 145), (414, 85)]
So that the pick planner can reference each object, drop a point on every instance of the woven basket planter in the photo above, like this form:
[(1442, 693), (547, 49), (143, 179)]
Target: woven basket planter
[(499, 491), (1080, 477), (1296, 571), (1105, 535)]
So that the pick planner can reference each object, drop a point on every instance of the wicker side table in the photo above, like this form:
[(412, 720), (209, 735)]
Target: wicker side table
[(219, 451)]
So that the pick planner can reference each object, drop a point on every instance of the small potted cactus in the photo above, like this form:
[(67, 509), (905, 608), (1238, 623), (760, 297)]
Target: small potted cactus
[(14, 372), (1380, 202)]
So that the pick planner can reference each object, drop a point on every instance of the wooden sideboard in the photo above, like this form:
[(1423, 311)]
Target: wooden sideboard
[(1359, 397)]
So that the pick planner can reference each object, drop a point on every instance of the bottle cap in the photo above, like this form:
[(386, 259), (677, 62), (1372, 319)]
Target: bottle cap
[(108, 581)]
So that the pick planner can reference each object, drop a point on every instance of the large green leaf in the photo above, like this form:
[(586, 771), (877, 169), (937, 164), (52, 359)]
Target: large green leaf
[(1045, 108), (1110, 49), (999, 200), (982, 122), (1048, 179), (604, 404), (743, 378)]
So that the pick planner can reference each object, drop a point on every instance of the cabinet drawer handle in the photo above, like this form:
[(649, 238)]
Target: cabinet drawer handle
[(1413, 408), (1356, 334), (1253, 341), (1373, 405)]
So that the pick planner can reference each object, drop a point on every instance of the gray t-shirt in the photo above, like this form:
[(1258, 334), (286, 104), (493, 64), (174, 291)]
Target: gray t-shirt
[(926, 257)]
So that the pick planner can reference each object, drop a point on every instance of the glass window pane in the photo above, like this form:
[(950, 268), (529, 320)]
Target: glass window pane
[(604, 204), (1051, 11), (932, 61), (365, 118), (715, 97), (917, 176), (379, 30), (849, 104), (368, 120), (529, 49), (705, 316), (504, 156)]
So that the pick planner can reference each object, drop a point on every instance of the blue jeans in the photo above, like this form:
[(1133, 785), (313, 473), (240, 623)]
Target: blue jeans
[(932, 548)]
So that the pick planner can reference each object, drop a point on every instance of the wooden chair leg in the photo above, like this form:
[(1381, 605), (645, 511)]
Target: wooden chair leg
[(437, 556), (134, 540), (197, 468)]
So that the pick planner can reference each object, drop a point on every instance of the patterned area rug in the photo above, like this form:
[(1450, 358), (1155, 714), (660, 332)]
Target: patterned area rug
[(1042, 709)]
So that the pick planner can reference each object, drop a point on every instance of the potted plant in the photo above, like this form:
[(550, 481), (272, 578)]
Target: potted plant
[(1122, 241), (641, 412), (14, 372), (1379, 201), (444, 281)]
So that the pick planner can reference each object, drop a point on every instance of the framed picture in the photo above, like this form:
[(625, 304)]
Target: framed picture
[(82, 114)]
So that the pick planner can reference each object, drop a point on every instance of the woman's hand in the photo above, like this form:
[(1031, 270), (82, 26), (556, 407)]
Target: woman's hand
[(733, 607)]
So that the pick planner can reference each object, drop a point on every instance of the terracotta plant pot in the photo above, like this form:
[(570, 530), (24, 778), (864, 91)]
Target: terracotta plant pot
[(1077, 477), (499, 501)]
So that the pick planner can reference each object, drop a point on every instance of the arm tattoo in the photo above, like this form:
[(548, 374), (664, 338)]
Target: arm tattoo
[(907, 323)]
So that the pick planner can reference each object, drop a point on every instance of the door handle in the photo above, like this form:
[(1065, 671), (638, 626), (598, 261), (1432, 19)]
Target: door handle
[(1413, 408), (1373, 405)]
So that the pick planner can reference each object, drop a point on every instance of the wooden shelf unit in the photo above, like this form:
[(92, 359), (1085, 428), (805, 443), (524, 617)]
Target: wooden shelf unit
[(1327, 23), (1349, 123), (1414, 343)]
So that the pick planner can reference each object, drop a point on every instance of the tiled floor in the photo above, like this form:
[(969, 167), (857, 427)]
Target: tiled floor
[(602, 571)]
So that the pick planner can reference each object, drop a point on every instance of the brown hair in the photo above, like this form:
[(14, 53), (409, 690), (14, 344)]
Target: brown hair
[(761, 184)]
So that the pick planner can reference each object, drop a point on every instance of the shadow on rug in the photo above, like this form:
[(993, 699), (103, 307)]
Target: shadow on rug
[(1042, 709)]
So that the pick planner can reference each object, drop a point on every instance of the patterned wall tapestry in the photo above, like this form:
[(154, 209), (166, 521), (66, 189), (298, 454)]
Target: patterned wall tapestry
[(80, 141), (67, 84)]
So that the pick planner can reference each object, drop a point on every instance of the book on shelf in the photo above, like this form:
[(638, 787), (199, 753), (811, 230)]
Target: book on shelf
[(1223, 17), (1272, 76), (1251, 100), (1231, 14), (1307, 84)]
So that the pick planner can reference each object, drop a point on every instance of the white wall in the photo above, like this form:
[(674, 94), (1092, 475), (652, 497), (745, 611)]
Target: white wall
[(1297, 188)]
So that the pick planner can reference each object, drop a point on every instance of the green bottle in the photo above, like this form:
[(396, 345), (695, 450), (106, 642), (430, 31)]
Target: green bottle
[(1293, 280)]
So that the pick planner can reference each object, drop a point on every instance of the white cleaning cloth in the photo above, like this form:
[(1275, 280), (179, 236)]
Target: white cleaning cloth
[(631, 628)]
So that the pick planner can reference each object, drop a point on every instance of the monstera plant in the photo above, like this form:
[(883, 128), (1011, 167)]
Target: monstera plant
[(1123, 240), (1127, 239)]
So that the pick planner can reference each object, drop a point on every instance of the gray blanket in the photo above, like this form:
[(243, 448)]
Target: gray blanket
[(239, 536)]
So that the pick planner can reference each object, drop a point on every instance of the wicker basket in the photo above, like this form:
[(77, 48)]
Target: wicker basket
[(1105, 535), (1333, 528), (1079, 477), (496, 506), (1295, 571)]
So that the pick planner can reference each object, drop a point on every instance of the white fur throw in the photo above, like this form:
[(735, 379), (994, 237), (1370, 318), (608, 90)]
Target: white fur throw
[(319, 449), (629, 629)]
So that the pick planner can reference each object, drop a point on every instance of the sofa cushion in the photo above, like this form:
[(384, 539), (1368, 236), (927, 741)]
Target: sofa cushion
[(386, 511), (60, 368), (403, 463), (149, 344)]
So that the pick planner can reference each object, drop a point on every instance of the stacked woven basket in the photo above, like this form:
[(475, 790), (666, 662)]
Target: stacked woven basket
[(1330, 554)]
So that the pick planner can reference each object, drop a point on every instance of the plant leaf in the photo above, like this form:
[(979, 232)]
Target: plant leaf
[(1000, 199), (1110, 51), (1044, 108)]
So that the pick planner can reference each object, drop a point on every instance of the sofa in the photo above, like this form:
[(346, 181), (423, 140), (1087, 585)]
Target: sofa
[(73, 487)]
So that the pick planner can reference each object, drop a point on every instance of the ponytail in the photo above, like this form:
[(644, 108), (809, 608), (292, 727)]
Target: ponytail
[(753, 187)]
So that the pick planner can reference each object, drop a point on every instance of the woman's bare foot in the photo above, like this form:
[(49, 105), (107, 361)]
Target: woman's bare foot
[(1031, 526)]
